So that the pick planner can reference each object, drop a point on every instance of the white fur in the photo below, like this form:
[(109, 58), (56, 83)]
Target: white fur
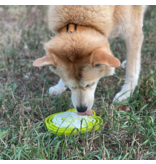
[(132, 71), (57, 89), (82, 97), (123, 65)]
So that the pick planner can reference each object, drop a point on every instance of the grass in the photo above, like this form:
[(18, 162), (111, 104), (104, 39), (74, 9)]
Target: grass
[(25, 103)]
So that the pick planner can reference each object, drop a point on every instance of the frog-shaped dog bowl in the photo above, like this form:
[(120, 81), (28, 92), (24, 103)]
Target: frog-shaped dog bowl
[(70, 123)]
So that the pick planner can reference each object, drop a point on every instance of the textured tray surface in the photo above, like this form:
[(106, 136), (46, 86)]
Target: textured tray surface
[(69, 123)]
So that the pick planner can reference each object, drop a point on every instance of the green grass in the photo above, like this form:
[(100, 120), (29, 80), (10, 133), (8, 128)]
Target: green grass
[(25, 103)]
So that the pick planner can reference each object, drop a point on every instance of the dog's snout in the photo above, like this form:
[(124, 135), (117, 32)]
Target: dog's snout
[(81, 109)]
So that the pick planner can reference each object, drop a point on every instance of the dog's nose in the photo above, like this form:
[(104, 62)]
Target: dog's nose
[(81, 109)]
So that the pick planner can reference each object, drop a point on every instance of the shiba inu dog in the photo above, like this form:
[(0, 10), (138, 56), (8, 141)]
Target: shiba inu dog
[(80, 53)]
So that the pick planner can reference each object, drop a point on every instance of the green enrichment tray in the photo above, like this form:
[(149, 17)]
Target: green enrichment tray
[(70, 123)]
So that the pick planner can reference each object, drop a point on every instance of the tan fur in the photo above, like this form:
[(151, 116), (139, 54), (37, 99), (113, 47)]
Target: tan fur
[(100, 56), (74, 51), (103, 18), (75, 45), (84, 56)]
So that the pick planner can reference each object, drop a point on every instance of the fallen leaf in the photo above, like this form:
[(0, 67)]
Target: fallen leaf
[(124, 108)]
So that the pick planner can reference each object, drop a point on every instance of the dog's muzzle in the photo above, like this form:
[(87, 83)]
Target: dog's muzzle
[(82, 110)]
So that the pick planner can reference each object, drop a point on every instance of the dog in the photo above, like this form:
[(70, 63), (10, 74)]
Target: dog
[(80, 53)]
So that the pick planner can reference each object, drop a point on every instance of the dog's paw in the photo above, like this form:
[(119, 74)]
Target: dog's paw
[(123, 65), (126, 91), (121, 96), (56, 90)]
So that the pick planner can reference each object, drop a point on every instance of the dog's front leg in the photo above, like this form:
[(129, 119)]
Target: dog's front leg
[(57, 89), (133, 45)]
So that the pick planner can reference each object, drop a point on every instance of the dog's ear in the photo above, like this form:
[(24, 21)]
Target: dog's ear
[(99, 57), (49, 59)]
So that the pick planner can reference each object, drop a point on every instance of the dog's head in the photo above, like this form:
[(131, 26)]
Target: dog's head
[(80, 59)]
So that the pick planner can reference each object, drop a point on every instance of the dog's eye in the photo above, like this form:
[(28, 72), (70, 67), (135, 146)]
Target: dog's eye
[(98, 65), (74, 87), (89, 85)]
